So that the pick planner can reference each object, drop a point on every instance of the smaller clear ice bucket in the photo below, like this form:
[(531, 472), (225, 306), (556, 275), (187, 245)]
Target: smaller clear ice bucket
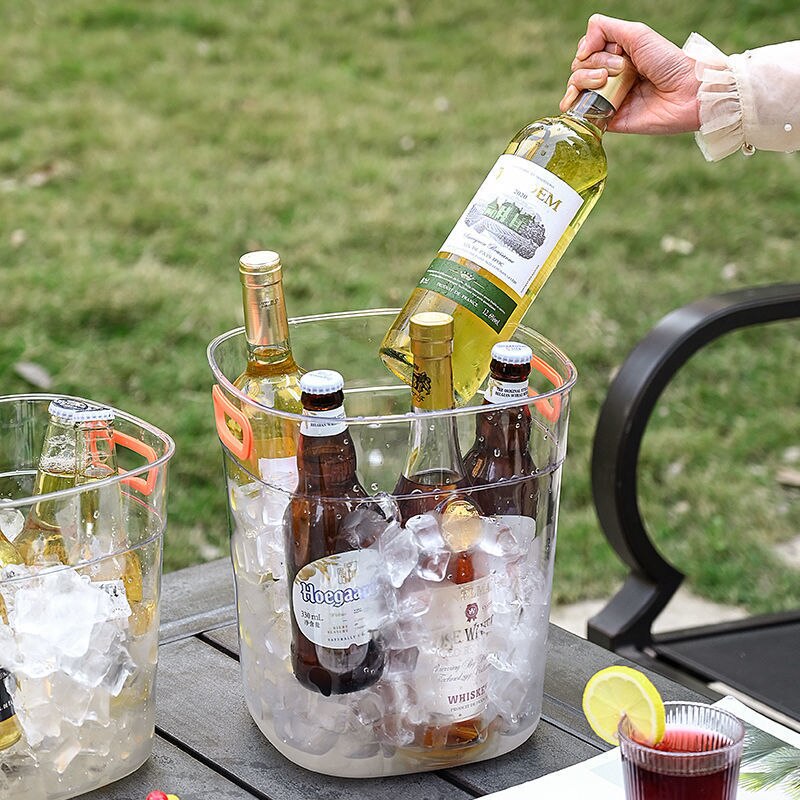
[(376, 731), (79, 643)]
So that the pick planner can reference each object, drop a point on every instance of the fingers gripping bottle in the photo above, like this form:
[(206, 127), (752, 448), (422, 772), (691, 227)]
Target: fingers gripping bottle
[(511, 235), (332, 573)]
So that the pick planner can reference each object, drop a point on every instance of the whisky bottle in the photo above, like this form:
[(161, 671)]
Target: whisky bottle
[(512, 234), (500, 457), (332, 574), (9, 728), (452, 670), (41, 540), (10, 732), (271, 377)]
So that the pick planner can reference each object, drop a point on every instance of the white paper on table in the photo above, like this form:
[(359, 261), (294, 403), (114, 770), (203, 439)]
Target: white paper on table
[(600, 778)]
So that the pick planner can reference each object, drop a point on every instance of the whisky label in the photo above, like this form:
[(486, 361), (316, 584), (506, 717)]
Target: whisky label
[(452, 676), (333, 598), (513, 223), (6, 706), (323, 423), (504, 391)]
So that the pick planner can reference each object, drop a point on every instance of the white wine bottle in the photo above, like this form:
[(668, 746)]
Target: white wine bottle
[(511, 235)]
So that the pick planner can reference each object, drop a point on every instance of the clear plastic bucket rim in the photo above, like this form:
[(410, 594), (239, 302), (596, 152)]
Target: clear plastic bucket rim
[(169, 451), (467, 411)]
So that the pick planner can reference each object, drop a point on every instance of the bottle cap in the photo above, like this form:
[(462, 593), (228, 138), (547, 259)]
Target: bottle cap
[(512, 353), (260, 268), (431, 326), (617, 86), (67, 410), (321, 381)]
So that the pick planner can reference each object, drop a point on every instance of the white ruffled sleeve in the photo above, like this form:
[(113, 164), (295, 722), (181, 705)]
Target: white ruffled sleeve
[(748, 101)]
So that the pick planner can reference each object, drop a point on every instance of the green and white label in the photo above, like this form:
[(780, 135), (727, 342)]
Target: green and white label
[(514, 222), (471, 290)]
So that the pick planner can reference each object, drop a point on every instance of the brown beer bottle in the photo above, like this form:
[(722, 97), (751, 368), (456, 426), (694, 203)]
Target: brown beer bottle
[(500, 456), (450, 678), (333, 576)]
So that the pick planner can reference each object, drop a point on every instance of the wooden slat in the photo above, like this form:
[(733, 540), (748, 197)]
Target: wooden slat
[(174, 772), (197, 599), (200, 705)]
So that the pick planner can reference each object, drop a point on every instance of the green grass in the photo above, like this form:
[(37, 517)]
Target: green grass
[(144, 146)]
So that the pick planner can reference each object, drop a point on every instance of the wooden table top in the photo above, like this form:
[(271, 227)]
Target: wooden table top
[(207, 746)]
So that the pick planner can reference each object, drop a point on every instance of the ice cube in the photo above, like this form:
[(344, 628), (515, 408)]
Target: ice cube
[(363, 526), (427, 533), (399, 552), (401, 662), (340, 661), (11, 522), (433, 566), (499, 540)]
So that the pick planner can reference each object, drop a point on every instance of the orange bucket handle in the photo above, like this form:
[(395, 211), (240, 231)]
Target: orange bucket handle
[(143, 485), (548, 407), (224, 410)]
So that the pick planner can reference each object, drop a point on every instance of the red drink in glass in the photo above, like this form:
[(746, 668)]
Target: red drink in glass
[(698, 758)]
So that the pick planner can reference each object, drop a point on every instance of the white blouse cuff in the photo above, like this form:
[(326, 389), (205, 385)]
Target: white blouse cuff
[(721, 127)]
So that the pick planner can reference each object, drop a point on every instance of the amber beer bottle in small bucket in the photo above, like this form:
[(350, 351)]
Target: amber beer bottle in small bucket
[(500, 458), (332, 574)]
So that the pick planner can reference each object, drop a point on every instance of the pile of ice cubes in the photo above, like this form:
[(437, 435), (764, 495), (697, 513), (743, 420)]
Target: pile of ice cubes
[(80, 681), (380, 720)]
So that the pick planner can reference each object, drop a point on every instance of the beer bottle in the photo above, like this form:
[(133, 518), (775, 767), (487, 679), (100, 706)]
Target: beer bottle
[(9, 728), (500, 456), (452, 670), (41, 540), (332, 575), (102, 539), (271, 376)]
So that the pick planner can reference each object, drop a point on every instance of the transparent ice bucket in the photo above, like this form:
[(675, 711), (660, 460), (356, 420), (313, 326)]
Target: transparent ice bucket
[(80, 642), (395, 725)]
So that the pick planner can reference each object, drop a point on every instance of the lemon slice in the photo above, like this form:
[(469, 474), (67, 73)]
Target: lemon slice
[(617, 692)]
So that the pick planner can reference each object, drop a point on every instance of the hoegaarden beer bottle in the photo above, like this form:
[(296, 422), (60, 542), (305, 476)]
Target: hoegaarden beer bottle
[(500, 458), (331, 573), (453, 676), (512, 234), (271, 376)]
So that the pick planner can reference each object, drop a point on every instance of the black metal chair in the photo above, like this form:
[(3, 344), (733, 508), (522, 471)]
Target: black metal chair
[(758, 656)]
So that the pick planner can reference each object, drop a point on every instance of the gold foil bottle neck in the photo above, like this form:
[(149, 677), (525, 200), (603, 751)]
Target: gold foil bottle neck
[(431, 335), (617, 86), (260, 268)]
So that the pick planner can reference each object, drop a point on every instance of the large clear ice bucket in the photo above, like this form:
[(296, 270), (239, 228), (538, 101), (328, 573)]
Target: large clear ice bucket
[(376, 731), (80, 642)]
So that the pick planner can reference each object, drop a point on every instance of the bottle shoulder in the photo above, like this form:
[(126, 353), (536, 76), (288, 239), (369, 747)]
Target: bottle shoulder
[(570, 149)]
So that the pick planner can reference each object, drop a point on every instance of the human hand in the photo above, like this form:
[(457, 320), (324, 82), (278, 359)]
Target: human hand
[(665, 98)]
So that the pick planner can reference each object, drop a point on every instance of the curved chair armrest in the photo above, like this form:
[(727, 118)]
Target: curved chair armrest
[(628, 617)]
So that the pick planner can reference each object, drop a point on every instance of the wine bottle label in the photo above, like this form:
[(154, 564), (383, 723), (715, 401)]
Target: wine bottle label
[(503, 391), (6, 706), (510, 228), (334, 598), (452, 675), (323, 423)]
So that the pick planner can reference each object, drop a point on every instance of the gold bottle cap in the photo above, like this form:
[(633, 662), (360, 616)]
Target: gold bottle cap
[(261, 267), (431, 335), (617, 86)]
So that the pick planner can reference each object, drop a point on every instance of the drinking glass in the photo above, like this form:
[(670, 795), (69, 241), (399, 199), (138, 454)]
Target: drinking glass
[(698, 758)]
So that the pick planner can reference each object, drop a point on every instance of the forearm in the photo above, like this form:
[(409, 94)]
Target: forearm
[(748, 101)]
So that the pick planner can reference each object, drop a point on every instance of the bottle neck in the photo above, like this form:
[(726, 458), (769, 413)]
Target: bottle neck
[(433, 441), (265, 321), (593, 110), (95, 454)]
